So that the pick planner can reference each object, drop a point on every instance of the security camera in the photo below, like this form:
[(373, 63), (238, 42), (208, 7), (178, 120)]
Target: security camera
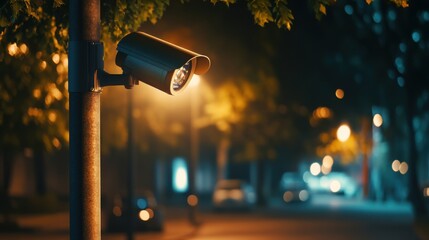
[(158, 63)]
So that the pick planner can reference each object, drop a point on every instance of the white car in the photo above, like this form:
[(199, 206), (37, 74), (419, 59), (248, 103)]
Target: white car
[(233, 194)]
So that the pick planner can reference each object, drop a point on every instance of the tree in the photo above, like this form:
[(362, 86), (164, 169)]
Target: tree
[(397, 76), (41, 28)]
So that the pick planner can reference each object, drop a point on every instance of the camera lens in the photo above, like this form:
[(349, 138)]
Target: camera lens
[(181, 76)]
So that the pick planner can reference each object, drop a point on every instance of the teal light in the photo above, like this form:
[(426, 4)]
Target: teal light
[(180, 175)]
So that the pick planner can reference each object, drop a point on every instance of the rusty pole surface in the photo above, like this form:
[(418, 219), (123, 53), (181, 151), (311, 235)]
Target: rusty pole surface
[(85, 204)]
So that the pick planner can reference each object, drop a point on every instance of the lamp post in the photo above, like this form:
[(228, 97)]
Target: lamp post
[(85, 215), (143, 57), (130, 168), (192, 199)]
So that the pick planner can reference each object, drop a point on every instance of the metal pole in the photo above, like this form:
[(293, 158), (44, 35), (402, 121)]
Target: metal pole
[(194, 141), (84, 124), (130, 167)]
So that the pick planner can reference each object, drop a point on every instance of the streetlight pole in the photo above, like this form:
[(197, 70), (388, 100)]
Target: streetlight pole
[(194, 142), (130, 168), (85, 214)]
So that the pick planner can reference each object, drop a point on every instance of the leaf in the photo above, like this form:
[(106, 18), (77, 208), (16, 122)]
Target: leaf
[(58, 3), (284, 15), (400, 3), (322, 9), (227, 2), (261, 11)]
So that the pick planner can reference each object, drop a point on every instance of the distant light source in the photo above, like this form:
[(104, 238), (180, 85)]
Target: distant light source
[(142, 203), (180, 175), (328, 161), (403, 168), (287, 196), (322, 113), (395, 165), (426, 192), (335, 186), (377, 120), (144, 215), (117, 211), (192, 200), (12, 49), (303, 195), (315, 168), (343, 133), (326, 170), (339, 93)]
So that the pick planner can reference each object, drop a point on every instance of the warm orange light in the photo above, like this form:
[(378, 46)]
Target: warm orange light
[(12, 49), (151, 212), (403, 168), (426, 192), (395, 165), (37, 93), (328, 161), (326, 170), (52, 117), (43, 65), (322, 112), (117, 211), (192, 200), (377, 120), (343, 133), (23, 48), (56, 58), (288, 196), (195, 81), (56, 143), (339, 93), (144, 215)]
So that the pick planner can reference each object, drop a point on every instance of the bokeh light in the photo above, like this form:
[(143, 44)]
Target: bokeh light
[(335, 186), (395, 165), (377, 120), (339, 93), (403, 168), (192, 200), (315, 168), (328, 161), (343, 132), (144, 215)]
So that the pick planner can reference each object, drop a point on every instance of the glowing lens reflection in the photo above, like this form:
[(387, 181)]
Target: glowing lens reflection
[(181, 76)]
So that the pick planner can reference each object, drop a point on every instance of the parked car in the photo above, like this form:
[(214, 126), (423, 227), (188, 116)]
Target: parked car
[(293, 188), (233, 194), (147, 215)]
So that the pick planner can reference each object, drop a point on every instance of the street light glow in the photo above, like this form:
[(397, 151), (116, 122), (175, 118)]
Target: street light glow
[(343, 133), (328, 161), (315, 168), (395, 165), (377, 120), (403, 168), (195, 80), (335, 186), (339, 93), (180, 175)]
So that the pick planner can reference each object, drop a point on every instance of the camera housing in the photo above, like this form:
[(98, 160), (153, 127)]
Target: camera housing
[(159, 63)]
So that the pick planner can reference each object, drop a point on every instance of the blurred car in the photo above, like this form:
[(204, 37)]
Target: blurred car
[(233, 194), (293, 188), (147, 215)]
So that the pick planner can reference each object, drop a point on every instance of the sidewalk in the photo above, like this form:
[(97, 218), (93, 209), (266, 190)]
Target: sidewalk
[(56, 226)]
